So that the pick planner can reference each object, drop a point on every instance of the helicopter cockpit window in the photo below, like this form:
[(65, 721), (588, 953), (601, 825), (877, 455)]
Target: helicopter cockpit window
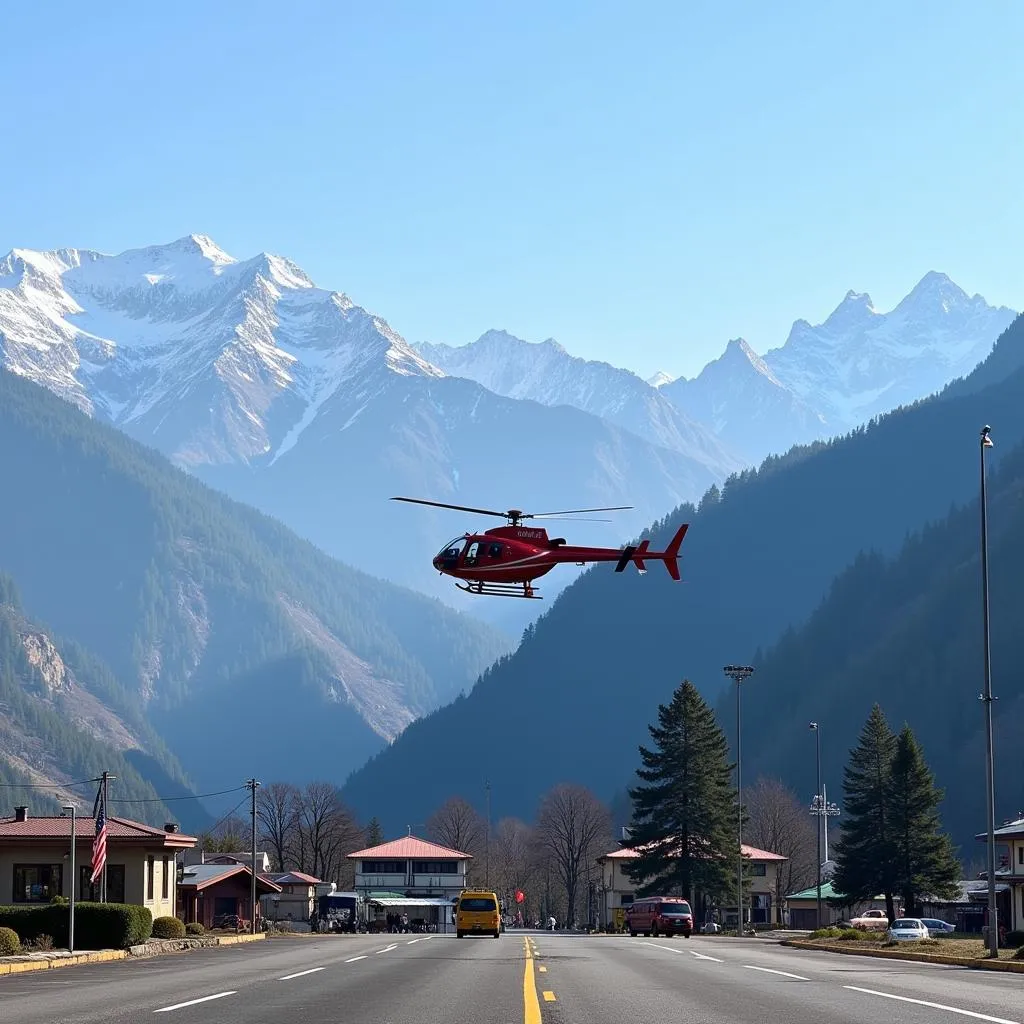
[(494, 551), (452, 549), (472, 553)]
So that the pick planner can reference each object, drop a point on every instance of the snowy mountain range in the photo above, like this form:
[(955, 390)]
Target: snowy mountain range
[(829, 378), (297, 400)]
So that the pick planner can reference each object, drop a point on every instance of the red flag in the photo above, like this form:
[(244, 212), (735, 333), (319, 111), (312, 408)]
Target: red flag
[(99, 844)]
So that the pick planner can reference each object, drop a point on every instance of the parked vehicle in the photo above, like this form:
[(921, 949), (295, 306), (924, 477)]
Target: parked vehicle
[(908, 929), (660, 915), (871, 920), (937, 927)]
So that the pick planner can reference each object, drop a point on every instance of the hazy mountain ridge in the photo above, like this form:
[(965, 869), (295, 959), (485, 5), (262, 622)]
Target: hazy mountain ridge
[(181, 590)]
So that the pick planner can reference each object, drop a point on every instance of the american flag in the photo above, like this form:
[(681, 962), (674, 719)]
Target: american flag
[(99, 844)]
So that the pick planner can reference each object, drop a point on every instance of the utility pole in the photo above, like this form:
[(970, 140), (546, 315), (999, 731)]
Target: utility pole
[(816, 809), (987, 699), (487, 841), (71, 904), (253, 785), (831, 811), (737, 673)]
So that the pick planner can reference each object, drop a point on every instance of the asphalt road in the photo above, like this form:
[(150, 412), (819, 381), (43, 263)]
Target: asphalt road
[(535, 978)]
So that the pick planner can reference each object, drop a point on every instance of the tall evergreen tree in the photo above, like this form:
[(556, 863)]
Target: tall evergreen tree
[(865, 856), (684, 812), (924, 861)]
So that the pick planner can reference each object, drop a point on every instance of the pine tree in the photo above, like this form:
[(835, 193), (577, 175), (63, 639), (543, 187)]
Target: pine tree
[(374, 833), (684, 813), (924, 860), (865, 855)]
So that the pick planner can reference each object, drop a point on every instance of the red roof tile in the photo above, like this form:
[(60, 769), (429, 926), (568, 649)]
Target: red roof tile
[(752, 852), (409, 847), (85, 827)]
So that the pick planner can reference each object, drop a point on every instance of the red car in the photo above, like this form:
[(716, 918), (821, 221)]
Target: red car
[(660, 915)]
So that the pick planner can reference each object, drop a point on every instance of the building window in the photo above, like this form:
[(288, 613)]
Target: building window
[(165, 879), (1020, 855), (115, 884), (150, 867), (758, 870), (435, 867), (37, 883), (383, 867)]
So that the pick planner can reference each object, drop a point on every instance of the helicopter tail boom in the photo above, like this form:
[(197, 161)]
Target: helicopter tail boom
[(638, 554)]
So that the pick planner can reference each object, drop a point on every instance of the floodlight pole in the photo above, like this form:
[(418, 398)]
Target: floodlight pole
[(987, 699), (737, 673)]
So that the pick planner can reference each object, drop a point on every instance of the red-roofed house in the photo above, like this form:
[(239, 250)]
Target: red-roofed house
[(35, 858), (762, 869), (411, 874)]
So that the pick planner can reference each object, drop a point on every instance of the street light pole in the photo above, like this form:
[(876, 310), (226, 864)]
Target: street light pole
[(253, 785), (737, 673), (987, 699), (71, 902), (817, 809)]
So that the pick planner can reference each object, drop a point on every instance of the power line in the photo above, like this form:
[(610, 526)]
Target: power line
[(213, 828), (47, 785), (169, 799)]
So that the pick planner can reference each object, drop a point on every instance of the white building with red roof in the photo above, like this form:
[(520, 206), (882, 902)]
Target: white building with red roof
[(762, 870), (411, 876), (35, 860)]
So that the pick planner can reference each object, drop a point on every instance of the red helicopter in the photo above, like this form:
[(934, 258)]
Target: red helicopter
[(505, 561)]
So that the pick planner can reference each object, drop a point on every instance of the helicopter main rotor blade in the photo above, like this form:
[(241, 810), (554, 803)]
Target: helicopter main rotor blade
[(558, 519), (576, 511), (458, 508)]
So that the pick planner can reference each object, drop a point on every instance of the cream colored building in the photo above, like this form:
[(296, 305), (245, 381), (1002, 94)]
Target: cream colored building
[(761, 877), (35, 861)]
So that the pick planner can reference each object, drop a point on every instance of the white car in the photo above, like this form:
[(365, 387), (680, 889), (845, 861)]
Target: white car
[(908, 929)]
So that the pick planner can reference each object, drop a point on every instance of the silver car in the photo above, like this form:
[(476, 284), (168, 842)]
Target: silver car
[(908, 929), (936, 927)]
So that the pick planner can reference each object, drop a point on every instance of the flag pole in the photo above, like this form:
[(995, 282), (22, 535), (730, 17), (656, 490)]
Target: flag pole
[(103, 877)]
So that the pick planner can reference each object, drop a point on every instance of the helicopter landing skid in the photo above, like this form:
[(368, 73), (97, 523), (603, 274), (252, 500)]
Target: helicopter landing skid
[(500, 589)]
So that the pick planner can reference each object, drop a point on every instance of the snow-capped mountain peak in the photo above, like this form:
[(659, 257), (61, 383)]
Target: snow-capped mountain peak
[(659, 379), (140, 337)]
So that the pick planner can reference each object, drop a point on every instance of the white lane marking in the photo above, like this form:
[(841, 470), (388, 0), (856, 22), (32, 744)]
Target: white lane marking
[(422, 938), (934, 1006), (192, 1002), (355, 958), (386, 949), (300, 974), (769, 970), (692, 952)]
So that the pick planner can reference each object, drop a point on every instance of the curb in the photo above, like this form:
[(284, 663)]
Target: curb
[(24, 966), (107, 955), (977, 964)]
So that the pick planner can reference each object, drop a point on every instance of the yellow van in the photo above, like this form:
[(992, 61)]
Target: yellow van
[(477, 913)]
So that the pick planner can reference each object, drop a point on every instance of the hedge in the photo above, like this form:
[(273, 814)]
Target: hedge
[(97, 925), (168, 928), (10, 944)]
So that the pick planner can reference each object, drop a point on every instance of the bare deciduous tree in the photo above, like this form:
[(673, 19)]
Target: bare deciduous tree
[(511, 856), (277, 815), (327, 831), (573, 827), (457, 825), (780, 823)]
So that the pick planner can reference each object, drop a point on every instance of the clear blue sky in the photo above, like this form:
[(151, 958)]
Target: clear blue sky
[(640, 181)]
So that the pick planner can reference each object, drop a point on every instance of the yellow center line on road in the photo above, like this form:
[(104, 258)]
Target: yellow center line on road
[(542, 969), (531, 1004), (549, 997)]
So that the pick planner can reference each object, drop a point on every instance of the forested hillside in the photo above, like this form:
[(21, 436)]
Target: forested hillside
[(758, 559), (906, 633), (64, 719), (183, 592)]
